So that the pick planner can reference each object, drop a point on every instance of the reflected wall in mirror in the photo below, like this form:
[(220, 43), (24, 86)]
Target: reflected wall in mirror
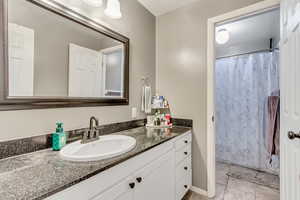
[(51, 56)]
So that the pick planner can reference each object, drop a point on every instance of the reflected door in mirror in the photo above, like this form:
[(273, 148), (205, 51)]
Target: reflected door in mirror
[(21, 60), (51, 56), (85, 72)]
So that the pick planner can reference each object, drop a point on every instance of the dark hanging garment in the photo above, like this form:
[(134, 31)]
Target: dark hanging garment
[(273, 133)]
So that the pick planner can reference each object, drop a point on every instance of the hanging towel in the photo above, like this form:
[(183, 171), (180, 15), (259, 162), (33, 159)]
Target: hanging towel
[(146, 99), (143, 99), (273, 132)]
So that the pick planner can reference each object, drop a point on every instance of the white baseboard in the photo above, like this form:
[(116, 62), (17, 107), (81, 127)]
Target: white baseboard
[(199, 191)]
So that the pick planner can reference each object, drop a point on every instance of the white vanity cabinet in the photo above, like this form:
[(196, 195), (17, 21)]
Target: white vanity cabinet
[(157, 179), (183, 171), (154, 181), (162, 173)]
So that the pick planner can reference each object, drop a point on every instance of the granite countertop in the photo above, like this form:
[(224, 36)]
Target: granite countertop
[(43, 173)]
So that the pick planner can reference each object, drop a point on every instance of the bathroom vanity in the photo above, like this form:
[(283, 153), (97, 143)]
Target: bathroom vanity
[(163, 172), (159, 167)]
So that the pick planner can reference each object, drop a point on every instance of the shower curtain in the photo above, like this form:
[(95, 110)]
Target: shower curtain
[(243, 84)]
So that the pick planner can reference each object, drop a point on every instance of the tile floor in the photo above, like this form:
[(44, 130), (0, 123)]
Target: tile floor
[(239, 183)]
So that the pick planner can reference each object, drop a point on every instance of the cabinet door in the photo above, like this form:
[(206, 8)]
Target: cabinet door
[(157, 180), (122, 191)]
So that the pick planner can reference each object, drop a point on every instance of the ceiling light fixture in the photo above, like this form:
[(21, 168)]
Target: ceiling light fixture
[(222, 36), (94, 3), (113, 9)]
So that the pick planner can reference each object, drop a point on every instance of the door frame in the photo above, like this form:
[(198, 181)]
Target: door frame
[(107, 51), (253, 9)]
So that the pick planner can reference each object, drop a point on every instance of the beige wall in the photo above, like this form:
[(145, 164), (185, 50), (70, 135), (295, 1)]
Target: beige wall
[(181, 58), (137, 24)]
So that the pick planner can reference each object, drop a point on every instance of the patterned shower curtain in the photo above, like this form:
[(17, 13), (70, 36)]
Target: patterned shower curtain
[(243, 84)]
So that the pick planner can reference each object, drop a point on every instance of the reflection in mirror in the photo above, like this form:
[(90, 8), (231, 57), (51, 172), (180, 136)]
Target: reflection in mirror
[(52, 56)]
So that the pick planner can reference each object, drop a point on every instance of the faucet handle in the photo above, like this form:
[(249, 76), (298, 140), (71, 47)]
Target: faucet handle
[(97, 134), (93, 134)]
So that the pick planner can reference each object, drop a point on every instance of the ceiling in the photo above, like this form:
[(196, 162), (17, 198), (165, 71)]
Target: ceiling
[(160, 7), (251, 33)]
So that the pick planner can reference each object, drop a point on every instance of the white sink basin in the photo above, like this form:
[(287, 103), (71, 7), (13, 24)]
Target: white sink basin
[(106, 147)]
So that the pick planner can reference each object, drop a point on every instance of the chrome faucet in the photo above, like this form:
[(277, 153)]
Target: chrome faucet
[(94, 119), (91, 134)]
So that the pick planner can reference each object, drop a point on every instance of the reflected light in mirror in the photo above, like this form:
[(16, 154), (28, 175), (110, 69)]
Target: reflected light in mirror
[(113, 60), (94, 3), (113, 9), (222, 36)]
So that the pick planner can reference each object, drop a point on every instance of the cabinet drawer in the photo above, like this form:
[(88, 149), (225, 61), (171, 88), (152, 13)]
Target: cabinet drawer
[(183, 141), (183, 153), (183, 168), (182, 186)]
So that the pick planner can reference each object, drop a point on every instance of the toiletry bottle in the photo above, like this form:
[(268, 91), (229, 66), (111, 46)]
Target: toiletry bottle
[(161, 101), (157, 121), (168, 119), (166, 104), (59, 137)]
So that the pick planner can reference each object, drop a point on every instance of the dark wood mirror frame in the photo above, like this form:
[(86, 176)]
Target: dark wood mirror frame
[(8, 103)]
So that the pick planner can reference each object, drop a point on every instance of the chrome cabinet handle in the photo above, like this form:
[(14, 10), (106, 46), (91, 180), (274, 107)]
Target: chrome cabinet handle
[(292, 135)]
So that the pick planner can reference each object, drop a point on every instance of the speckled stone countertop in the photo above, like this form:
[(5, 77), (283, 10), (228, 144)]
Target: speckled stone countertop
[(43, 173)]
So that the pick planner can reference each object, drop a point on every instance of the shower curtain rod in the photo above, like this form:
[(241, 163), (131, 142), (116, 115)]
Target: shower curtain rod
[(251, 52)]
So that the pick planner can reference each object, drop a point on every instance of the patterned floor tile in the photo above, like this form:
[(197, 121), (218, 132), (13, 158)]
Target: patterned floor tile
[(222, 170), (238, 195), (265, 193), (239, 183)]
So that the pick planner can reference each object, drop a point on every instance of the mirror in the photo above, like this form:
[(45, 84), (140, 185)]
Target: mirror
[(56, 53)]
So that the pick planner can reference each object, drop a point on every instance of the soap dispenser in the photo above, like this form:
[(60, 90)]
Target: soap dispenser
[(59, 137)]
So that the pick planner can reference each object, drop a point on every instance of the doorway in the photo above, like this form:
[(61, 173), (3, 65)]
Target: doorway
[(247, 100), (238, 58)]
